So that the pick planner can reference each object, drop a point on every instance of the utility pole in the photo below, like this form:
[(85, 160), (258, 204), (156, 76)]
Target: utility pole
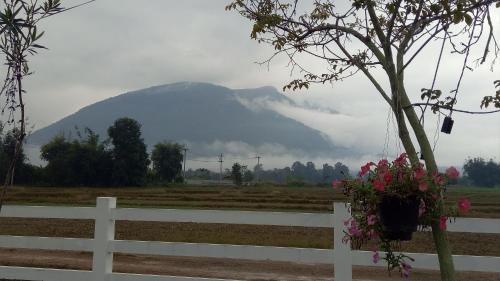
[(185, 153), (220, 167), (258, 168)]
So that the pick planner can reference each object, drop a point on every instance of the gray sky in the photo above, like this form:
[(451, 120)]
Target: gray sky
[(113, 46)]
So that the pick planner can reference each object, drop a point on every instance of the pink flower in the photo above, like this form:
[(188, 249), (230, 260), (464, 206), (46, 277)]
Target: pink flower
[(419, 173), (365, 168), (387, 177), (401, 160), (405, 269), (371, 219), (442, 222), (452, 173), (336, 184), (438, 179), (378, 185), (463, 206), (376, 257), (423, 186), (354, 230), (383, 165)]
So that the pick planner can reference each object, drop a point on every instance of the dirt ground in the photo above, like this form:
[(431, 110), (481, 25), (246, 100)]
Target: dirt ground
[(215, 268)]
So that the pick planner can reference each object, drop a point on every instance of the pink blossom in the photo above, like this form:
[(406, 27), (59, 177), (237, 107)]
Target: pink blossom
[(371, 219), (365, 168), (376, 257), (378, 185), (336, 184), (354, 230), (383, 165), (463, 206), (405, 269), (419, 173), (438, 179), (423, 186), (442, 222), (401, 160), (387, 177), (452, 173)]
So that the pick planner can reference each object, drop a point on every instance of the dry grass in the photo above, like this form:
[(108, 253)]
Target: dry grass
[(304, 199), (485, 202)]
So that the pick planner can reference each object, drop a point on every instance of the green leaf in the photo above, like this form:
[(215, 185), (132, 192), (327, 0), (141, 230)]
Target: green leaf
[(457, 17), (468, 19)]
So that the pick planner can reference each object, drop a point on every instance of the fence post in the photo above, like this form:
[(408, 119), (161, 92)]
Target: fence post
[(104, 231), (342, 251)]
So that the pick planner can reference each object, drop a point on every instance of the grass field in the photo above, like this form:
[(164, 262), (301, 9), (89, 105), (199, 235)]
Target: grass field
[(485, 202)]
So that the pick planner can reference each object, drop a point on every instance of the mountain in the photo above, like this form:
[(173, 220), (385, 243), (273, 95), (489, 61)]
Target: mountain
[(196, 113)]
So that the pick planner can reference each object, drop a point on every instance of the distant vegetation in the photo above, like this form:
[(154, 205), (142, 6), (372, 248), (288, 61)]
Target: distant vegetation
[(481, 172), (122, 160), (298, 174)]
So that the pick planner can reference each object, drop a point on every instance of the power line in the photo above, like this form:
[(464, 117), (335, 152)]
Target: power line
[(454, 109), (204, 161)]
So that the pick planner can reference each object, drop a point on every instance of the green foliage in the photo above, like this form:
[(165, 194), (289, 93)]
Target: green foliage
[(236, 174), (7, 148), (18, 40), (167, 161), (481, 172), (248, 176), (130, 159), (82, 162), (495, 100)]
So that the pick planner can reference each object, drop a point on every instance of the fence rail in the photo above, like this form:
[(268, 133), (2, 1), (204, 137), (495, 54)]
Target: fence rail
[(104, 245)]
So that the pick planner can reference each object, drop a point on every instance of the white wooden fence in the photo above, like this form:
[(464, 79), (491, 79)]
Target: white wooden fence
[(104, 245)]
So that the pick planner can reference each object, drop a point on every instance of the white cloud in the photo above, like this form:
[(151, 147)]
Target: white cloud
[(113, 46)]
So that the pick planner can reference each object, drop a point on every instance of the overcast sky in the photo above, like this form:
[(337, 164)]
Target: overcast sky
[(113, 46)]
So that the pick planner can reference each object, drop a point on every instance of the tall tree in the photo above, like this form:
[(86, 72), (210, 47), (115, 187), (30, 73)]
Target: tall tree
[(130, 159), (81, 162), (7, 152), (236, 175), (167, 161), (481, 172), (377, 37), (19, 39)]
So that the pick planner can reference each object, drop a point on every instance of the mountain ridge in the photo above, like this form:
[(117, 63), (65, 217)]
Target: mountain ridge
[(195, 112)]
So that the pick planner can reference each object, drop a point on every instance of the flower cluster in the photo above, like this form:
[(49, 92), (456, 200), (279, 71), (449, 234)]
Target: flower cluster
[(407, 182)]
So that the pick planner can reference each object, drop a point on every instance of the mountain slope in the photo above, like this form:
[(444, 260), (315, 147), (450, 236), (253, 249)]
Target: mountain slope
[(194, 113)]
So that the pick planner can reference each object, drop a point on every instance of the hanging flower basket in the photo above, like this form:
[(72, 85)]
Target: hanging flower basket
[(389, 200), (398, 216)]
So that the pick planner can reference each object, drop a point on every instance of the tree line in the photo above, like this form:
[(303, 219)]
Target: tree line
[(297, 174), (481, 172), (120, 160)]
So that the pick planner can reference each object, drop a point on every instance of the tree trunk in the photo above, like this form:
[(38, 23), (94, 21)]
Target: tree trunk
[(441, 243)]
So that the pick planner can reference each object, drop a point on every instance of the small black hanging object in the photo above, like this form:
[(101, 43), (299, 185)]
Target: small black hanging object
[(421, 156), (447, 125)]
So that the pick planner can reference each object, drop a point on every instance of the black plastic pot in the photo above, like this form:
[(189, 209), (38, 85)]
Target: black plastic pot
[(399, 216)]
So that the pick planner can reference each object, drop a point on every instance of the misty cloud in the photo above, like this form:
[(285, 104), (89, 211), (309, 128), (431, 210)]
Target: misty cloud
[(114, 46)]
